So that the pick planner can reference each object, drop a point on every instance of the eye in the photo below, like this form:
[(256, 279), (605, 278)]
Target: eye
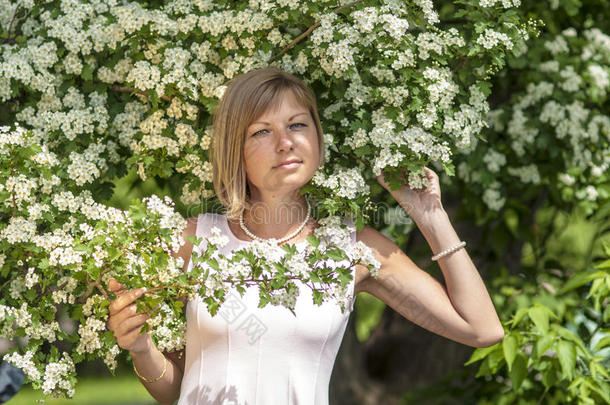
[(300, 124), (259, 132)]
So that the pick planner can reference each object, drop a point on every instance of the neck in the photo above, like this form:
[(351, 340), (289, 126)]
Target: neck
[(275, 217)]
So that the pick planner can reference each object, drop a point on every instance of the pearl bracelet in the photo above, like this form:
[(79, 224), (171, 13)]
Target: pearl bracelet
[(447, 251)]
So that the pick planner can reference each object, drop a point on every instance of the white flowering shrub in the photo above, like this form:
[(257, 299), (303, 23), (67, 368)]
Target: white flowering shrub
[(553, 134), (544, 156), (102, 87), (139, 81), (59, 249)]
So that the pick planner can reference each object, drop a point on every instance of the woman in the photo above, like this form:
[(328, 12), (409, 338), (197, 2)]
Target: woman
[(268, 144)]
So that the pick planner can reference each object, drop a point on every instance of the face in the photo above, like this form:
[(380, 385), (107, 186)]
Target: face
[(284, 133)]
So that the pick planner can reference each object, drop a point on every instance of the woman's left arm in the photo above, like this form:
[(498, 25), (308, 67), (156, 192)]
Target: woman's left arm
[(461, 311)]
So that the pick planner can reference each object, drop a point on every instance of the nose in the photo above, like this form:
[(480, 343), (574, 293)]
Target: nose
[(285, 140)]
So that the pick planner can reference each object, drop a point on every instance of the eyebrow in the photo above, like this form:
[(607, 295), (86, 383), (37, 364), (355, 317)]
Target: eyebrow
[(291, 118)]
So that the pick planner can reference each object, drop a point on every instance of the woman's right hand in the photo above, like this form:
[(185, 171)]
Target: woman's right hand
[(125, 322)]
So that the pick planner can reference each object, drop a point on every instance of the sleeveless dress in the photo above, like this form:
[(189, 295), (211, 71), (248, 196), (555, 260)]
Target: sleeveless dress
[(245, 355)]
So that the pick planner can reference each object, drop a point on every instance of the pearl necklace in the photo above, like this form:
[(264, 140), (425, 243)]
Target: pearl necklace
[(273, 240)]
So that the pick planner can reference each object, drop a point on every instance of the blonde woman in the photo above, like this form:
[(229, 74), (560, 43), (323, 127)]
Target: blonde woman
[(267, 144)]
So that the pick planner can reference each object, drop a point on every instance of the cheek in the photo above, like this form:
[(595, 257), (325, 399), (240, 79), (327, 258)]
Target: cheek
[(253, 159), (315, 150)]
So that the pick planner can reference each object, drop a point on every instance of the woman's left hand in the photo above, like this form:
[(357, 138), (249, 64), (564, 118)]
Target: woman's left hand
[(418, 204)]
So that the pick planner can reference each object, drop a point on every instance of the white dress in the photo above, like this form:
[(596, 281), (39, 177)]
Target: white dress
[(246, 355)]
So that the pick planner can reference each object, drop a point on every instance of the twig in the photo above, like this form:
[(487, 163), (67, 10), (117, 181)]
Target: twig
[(23, 270), (123, 89), (8, 282), (101, 289), (310, 29), (462, 63), (10, 27), (91, 285)]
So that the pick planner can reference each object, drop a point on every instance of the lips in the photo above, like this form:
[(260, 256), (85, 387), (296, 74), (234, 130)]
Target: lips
[(287, 162)]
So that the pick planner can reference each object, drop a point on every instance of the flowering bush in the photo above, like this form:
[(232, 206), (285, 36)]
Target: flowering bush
[(554, 133), (106, 86), (546, 151), (60, 249)]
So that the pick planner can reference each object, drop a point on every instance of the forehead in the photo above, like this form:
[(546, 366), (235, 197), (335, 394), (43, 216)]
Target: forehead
[(285, 102)]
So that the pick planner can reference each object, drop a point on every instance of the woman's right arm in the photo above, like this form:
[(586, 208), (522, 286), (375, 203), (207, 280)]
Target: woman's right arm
[(147, 359)]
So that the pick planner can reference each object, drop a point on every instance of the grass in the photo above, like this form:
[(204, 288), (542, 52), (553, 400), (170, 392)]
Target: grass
[(125, 390)]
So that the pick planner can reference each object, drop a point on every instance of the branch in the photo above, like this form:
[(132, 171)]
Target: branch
[(455, 21), (461, 65), (23, 271), (8, 38), (92, 285), (123, 89), (310, 29)]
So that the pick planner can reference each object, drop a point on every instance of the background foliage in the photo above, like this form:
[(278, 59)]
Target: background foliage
[(533, 182)]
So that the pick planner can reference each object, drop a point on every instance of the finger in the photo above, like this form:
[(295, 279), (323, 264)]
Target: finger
[(115, 286), (430, 173), (132, 336), (115, 319), (125, 299), (131, 323)]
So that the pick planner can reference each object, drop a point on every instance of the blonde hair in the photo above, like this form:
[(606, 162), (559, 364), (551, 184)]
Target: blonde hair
[(247, 97)]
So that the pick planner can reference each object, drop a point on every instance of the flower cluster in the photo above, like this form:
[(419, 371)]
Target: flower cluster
[(345, 183)]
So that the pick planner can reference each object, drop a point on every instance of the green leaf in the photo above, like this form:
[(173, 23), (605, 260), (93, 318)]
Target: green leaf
[(510, 346), (603, 265), (335, 254), (567, 334), (519, 370), (549, 375), (511, 219), (567, 358), (580, 279), (87, 73), (544, 343), (317, 297), (368, 310), (492, 363), (603, 342), (604, 244), (598, 370), (481, 352), (519, 315), (113, 253), (30, 294), (539, 315), (449, 168)]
